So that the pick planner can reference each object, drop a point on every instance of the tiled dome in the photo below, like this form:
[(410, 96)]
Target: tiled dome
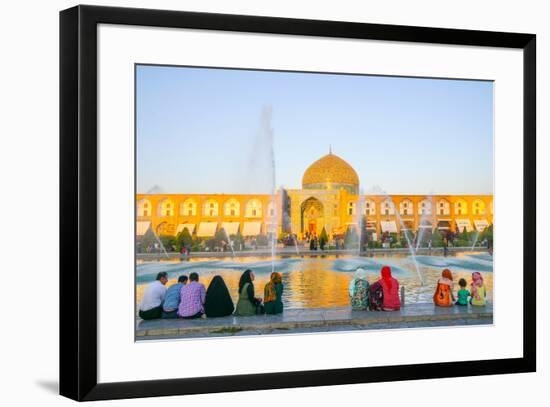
[(330, 170)]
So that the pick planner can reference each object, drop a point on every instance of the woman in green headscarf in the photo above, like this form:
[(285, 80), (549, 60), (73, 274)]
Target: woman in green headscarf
[(273, 294), (359, 290)]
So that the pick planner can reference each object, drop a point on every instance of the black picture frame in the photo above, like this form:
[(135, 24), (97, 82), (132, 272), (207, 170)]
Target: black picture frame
[(79, 205)]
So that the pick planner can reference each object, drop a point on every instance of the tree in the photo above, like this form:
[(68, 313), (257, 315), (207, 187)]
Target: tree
[(196, 244), (221, 239), (487, 234), (394, 240), (183, 239), (147, 242), (238, 241), (323, 239), (464, 238), (437, 238), (220, 236), (169, 242)]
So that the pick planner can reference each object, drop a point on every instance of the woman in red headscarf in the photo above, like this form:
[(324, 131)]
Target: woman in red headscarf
[(390, 288), (443, 295)]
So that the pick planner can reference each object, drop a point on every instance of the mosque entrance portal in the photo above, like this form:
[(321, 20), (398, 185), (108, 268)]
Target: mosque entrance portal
[(311, 216)]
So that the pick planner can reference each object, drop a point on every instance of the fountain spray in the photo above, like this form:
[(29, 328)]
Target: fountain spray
[(267, 132), (423, 217), (160, 243), (476, 236), (229, 242), (411, 248), (358, 219)]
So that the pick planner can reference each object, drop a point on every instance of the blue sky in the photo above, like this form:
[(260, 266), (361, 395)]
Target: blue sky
[(199, 130)]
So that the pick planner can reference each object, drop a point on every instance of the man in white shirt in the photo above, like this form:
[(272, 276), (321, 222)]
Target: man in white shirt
[(153, 297)]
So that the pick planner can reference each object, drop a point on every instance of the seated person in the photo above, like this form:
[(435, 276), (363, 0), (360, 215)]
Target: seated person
[(192, 299), (153, 297), (273, 294), (172, 298), (463, 294), (479, 291), (443, 296), (359, 290), (390, 290), (247, 304), (218, 301)]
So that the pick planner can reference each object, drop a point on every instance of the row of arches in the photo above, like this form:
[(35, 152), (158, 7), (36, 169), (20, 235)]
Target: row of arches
[(424, 207), (253, 208)]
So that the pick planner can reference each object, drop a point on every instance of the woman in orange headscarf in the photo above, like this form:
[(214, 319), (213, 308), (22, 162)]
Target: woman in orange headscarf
[(273, 294), (443, 296), (390, 289)]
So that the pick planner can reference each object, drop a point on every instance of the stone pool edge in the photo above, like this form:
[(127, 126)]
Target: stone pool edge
[(314, 320)]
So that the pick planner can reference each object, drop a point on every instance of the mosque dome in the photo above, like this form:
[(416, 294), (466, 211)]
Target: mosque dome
[(331, 172)]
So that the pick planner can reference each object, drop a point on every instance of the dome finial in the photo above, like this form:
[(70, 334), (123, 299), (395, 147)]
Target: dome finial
[(330, 148)]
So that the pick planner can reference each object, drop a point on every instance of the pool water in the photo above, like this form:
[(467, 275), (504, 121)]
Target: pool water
[(322, 281)]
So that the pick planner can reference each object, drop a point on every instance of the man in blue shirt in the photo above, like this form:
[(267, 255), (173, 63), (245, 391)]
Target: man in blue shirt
[(172, 299)]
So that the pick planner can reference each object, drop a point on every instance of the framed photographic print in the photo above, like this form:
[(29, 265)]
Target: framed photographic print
[(240, 194)]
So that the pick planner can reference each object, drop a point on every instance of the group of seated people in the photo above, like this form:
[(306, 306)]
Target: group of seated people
[(444, 292), (190, 299), (383, 295)]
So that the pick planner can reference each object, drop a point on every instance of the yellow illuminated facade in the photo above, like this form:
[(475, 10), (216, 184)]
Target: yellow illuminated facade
[(329, 198)]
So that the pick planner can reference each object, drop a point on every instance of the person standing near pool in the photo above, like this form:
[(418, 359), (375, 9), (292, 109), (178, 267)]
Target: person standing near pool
[(193, 296), (153, 297), (273, 294), (172, 299)]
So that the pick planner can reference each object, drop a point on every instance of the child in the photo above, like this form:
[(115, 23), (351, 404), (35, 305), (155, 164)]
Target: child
[(443, 296), (463, 294), (479, 292)]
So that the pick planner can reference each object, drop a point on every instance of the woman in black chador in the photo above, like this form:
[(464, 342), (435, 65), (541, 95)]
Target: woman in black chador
[(218, 301)]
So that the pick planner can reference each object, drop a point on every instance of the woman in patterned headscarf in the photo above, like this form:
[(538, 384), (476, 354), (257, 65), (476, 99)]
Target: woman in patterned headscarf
[(273, 294), (479, 291), (359, 290)]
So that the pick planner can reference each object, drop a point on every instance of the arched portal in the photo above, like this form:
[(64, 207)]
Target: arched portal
[(311, 215)]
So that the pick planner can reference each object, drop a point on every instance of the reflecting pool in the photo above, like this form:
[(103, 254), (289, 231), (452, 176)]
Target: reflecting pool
[(322, 280)]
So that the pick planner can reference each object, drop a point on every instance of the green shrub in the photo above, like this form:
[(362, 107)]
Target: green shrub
[(183, 239), (238, 241), (169, 243), (437, 238)]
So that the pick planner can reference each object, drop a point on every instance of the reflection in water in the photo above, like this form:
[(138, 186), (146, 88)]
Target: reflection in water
[(314, 282)]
